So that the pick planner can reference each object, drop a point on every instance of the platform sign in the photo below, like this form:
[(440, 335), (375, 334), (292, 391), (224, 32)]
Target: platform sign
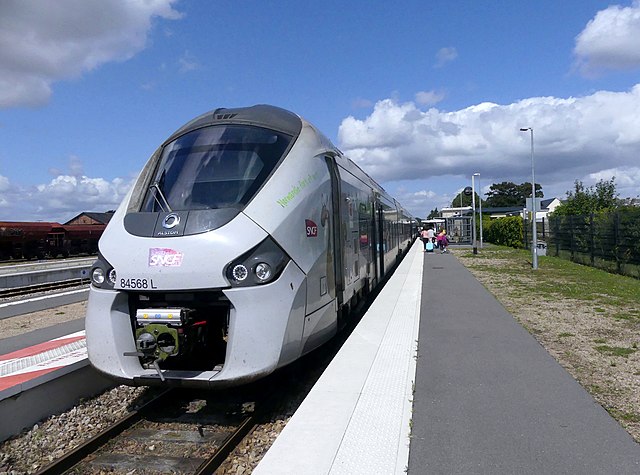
[(529, 206)]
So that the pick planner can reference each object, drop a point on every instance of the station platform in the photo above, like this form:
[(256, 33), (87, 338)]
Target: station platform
[(43, 371), (24, 368), (438, 378)]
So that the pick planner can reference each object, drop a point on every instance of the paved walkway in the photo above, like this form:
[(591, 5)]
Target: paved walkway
[(490, 400)]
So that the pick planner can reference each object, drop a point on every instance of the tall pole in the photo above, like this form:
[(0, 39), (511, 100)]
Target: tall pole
[(480, 196), (473, 210), (534, 242)]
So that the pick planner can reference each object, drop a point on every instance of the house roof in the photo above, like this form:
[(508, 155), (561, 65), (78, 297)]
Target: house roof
[(547, 202), (102, 218)]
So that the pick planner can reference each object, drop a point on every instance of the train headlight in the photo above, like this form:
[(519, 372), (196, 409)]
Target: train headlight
[(97, 276), (103, 275), (239, 272), (261, 265), (263, 271)]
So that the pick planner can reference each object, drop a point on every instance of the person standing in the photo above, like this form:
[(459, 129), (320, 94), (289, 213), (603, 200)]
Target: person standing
[(424, 237), (431, 235)]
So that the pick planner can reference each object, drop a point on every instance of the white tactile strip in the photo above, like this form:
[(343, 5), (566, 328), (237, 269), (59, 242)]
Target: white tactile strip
[(28, 367), (377, 438), (357, 417), (44, 359)]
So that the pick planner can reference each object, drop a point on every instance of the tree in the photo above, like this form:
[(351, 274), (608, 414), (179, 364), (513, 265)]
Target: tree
[(434, 213), (584, 201), (462, 200), (507, 194)]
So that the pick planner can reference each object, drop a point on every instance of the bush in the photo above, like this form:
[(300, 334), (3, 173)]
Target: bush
[(505, 232)]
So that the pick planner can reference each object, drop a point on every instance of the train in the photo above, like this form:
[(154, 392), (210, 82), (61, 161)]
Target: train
[(40, 240), (242, 246)]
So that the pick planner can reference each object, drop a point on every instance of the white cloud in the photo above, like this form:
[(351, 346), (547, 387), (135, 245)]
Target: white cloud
[(62, 198), (428, 98), (445, 55), (361, 103), (627, 179), (187, 63), (4, 183), (574, 139), (611, 40), (42, 42)]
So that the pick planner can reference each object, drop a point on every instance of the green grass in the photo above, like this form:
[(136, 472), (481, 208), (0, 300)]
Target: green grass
[(625, 416), (559, 279), (615, 350), (565, 334)]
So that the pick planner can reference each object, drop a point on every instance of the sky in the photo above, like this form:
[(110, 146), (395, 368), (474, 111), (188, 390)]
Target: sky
[(422, 94)]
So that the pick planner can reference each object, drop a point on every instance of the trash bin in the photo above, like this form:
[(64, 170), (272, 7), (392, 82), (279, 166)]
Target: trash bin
[(542, 248)]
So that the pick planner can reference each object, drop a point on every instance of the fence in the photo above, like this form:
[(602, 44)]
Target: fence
[(608, 241)]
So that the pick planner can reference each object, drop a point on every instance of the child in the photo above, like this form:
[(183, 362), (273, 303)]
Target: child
[(443, 241)]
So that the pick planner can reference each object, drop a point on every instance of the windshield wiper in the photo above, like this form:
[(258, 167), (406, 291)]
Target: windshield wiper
[(156, 186)]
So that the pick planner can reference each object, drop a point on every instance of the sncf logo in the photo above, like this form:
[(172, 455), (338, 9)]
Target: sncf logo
[(161, 257), (312, 228)]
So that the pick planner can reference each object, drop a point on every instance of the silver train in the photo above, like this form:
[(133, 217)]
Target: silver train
[(241, 247)]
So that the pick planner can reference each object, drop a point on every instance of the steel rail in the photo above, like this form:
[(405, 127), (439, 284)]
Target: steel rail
[(81, 452), (234, 439), (93, 445), (32, 289)]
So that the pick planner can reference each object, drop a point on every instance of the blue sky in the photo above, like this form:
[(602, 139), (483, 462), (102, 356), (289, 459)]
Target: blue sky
[(422, 94)]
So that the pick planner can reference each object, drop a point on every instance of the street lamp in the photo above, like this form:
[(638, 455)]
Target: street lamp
[(534, 242), (480, 197), (473, 206)]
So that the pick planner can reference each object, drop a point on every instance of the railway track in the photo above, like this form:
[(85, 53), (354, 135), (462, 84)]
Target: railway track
[(173, 433), (46, 287)]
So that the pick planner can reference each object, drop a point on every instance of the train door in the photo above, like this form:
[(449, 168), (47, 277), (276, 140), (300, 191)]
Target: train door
[(381, 239), (336, 223), (376, 238)]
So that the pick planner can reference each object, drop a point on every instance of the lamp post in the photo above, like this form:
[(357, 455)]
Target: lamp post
[(480, 197), (473, 206), (534, 242)]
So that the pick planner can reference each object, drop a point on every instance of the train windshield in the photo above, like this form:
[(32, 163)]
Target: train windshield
[(215, 167)]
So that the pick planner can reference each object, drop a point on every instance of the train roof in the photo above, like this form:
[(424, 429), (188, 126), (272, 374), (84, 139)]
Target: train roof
[(261, 115)]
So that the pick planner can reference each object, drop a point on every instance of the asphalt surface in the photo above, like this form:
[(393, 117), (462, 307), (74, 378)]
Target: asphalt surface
[(490, 400)]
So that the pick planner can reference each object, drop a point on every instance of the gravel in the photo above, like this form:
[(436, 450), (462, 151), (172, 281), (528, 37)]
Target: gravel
[(22, 324), (48, 440)]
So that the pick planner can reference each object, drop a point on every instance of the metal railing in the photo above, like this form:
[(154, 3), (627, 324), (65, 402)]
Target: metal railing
[(610, 241)]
